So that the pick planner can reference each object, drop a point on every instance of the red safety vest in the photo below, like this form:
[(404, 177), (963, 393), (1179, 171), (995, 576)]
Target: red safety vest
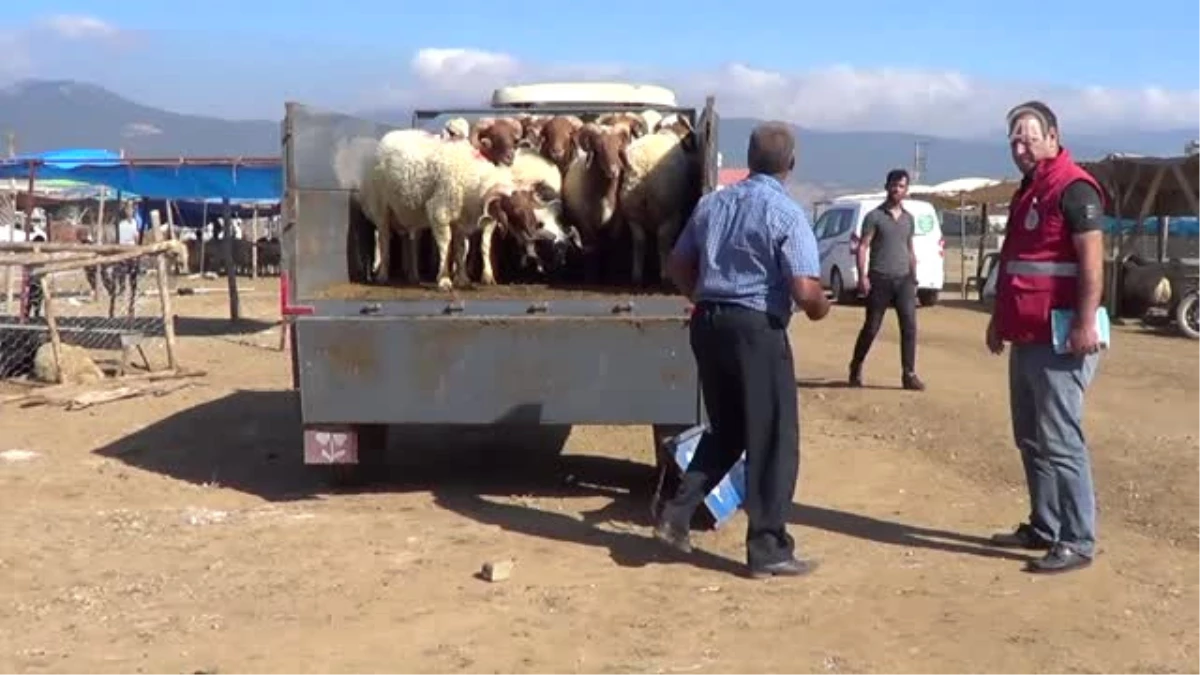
[(1038, 266)]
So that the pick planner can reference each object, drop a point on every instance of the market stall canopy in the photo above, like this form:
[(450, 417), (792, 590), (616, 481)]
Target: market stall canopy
[(1149, 186), (240, 178)]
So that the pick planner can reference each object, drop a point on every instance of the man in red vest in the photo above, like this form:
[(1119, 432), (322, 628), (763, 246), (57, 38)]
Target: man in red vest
[(1052, 259)]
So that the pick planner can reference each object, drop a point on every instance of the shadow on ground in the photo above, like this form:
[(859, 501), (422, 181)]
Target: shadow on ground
[(208, 326), (971, 304), (897, 534), (826, 383), (250, 441)]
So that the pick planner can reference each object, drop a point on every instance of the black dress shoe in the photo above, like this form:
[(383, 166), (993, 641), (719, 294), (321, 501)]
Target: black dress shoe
[(855, 379), (1023, 537), (793, 567), (673, 536), (1060, 559)]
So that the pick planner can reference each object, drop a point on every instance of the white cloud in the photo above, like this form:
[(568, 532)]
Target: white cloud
[(80, 27), (836, 97)]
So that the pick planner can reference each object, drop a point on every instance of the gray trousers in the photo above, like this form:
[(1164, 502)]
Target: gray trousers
[(1046, 393)]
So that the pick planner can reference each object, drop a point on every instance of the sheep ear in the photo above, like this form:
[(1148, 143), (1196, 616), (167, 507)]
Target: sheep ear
[(485, 143), (493, 214)]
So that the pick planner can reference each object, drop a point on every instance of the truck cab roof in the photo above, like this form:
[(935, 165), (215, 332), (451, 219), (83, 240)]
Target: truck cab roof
[(584, 94)]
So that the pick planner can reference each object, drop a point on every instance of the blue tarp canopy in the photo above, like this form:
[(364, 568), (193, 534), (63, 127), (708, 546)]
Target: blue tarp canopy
[(234, 179)]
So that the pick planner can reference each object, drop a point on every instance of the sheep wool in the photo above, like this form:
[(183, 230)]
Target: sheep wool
[(654, 194)]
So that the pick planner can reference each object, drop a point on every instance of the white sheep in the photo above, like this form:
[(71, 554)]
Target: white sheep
[(530, 168), (656, 192), (652, 119), (397, 158), (420, 181), (457, 128), (592, 183)]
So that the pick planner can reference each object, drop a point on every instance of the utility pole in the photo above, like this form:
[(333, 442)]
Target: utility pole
[(918, 167)]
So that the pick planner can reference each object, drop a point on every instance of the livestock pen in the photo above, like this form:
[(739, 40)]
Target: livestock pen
[(531, 349), (59, 335)]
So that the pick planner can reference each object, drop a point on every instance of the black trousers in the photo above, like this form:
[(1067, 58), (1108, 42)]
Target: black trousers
[(746, 373), (900, 293)]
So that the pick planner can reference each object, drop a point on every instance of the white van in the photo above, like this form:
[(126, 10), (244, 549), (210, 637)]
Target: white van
[(839, 229)]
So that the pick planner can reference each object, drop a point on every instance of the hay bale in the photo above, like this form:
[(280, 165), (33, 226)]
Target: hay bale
[(77, 366)]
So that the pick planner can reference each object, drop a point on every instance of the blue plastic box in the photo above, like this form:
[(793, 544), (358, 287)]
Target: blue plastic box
[(726, 498)]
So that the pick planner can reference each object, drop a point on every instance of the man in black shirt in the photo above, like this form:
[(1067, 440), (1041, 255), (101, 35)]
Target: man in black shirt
[(888, 279)]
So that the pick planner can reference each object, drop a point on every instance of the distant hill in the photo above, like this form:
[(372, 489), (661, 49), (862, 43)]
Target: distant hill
[(47, 115)]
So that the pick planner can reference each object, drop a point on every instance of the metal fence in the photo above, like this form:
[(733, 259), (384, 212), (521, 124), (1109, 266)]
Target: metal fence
[(78, 325)]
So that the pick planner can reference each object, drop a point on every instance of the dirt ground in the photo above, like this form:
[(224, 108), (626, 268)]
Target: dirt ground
[(183, 534)]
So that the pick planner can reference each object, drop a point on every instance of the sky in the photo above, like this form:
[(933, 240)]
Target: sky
[(932, 67)]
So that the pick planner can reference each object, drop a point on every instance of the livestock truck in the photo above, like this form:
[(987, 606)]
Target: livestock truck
[(366, 357)]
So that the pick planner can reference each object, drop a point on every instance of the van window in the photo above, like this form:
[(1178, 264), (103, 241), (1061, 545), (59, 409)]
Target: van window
[(822, 226), (845, 222)]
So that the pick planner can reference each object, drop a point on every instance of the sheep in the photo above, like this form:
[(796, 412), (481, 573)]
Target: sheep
[(633, 122), (497, 138), (557, 140), (592, 181), (396, 158), (419, 181), (530, 168), (651, 119), (658, 191), (456, 128)]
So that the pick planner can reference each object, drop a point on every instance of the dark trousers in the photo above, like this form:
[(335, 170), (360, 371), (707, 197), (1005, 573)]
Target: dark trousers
[(746, 373), (888, 291)]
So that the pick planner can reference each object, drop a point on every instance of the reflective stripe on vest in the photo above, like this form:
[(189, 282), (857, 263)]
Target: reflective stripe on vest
[(1042, 269)]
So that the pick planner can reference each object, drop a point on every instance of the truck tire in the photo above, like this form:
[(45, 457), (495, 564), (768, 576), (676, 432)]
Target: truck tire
[(928, 297), (1186, 315)]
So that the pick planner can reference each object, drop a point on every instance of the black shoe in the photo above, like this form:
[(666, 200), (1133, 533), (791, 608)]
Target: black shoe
[(1060, 559), (1022, 537), (792, 567), (673, 536), (911, 382), (855, 378)]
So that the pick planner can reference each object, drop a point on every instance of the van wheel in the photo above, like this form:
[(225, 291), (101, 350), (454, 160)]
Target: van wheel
[(838, 286), (1187, 315), (928, 297)]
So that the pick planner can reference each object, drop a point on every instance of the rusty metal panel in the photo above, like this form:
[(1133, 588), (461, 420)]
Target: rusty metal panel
[(325, 150), (527, 370), (320, 239)]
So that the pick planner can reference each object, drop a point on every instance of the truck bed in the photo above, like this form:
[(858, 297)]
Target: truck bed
[(530, 292)]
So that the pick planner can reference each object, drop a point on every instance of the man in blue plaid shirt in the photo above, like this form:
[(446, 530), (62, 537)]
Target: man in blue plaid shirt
[(745, 256)]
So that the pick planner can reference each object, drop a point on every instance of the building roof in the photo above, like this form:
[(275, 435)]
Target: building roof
[(731, 176)]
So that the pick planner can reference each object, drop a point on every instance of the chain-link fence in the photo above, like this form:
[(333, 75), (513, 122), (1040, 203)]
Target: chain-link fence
[(64, 320)]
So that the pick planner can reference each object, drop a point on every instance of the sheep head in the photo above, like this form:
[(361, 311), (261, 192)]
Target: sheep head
[(681, 127), (497, 139), (604, 149), (630, 122), (556, 142), (456, 129)]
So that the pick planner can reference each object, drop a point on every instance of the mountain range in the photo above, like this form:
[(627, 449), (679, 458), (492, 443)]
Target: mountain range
[(54, 114)]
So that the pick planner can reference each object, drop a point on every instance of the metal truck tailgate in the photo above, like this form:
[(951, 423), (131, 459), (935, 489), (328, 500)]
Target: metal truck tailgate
[(477, 370)]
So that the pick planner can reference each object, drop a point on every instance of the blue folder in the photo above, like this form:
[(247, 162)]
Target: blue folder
[(1060, 324)]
